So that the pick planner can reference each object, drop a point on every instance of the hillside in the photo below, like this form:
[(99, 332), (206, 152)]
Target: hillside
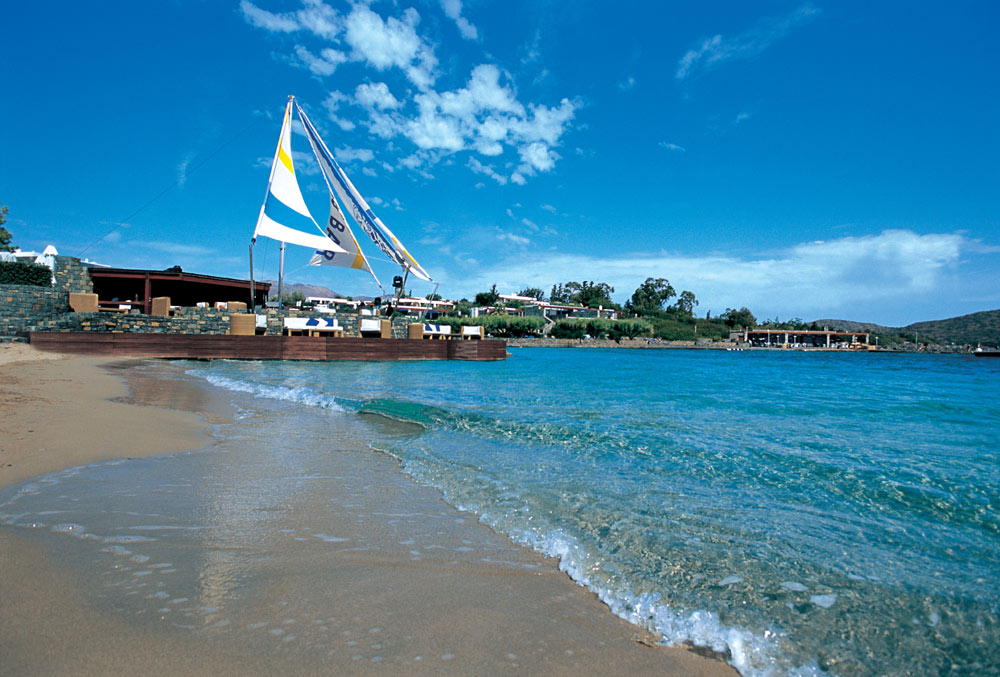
[(982, 327), (306, 289), (848, 325), (977, 328)]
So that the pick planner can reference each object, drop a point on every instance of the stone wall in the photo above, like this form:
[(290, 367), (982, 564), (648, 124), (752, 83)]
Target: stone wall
[(72, 276), (23, 305), (25, 308)]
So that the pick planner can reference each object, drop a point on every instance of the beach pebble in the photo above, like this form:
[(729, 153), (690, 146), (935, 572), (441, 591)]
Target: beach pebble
[(729, 580), (793, 586), (825, 601)]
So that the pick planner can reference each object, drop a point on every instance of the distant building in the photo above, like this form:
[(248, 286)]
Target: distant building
[(801, 338)]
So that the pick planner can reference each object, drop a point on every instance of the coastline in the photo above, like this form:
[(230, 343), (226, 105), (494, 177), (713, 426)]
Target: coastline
[(64, 414)]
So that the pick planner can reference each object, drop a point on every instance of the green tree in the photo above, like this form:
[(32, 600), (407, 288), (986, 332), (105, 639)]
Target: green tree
[(559, 294), (533, 292), (685, 304), (591, 294), (433, 297), (651, 296), (739, 318), (5, 236), (488, 298)]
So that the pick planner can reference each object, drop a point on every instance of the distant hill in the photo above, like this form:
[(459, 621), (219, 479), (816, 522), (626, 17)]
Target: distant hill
[(982, 327), (306, 289), (847, 325)]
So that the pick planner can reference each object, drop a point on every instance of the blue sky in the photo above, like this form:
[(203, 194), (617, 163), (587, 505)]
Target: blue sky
[(802, 159)]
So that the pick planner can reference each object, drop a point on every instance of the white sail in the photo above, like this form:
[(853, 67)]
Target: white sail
[(283, 186), (356, 204), (336, 226), (268, 227), (338, 231)]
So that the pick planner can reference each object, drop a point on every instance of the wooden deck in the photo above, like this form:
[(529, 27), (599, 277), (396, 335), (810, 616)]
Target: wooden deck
[(207, 346)]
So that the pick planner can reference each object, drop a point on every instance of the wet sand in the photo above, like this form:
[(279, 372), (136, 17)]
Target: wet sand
[(464, 616)]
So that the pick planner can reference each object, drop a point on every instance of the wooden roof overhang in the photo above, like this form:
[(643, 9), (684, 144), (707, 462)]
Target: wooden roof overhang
[(184, 289)]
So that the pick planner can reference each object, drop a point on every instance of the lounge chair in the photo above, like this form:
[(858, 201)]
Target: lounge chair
[(473, 332), (437, 331), (374, 328)]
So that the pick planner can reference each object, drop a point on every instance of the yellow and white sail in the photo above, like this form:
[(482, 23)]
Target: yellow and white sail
[(284, 187)]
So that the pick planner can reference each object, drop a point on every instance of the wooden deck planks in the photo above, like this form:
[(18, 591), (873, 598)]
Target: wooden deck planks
[(207, 346)]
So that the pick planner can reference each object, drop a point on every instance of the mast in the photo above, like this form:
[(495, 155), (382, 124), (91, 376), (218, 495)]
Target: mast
[(281, 275)]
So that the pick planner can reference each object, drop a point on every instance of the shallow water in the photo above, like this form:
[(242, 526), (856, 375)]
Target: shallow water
[(798, 512)]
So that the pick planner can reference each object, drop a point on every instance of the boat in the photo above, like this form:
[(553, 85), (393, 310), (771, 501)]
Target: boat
[(334, 245)]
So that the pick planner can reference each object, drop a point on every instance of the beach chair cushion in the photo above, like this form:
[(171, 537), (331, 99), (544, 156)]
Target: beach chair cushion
[(437, 330), (472, 332), (83, 303), (160, 306), (242, 324)]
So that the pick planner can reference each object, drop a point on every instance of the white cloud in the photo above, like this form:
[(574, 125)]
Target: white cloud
[(375, 96), (182, 169), (627, 85), (390, 43), (276, 23), (479, 168), (513, 239), (891, 272), (324, 64), (484, 116), (348, 154), (549, 208), (174, 248), (453, 10), (716, 50), (332, 105), (380, 43), (672, 146)]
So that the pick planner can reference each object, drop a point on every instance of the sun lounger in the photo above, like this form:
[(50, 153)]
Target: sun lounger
[(374, 328), (437, 331), (313, 326), (261, 324), (475, 332)]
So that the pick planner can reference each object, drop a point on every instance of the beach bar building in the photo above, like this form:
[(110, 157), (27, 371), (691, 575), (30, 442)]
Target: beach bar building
[(123, 286), (802, 338)]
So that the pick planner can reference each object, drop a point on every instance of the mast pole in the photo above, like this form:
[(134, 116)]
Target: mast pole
[(281, 275), (253, 294)]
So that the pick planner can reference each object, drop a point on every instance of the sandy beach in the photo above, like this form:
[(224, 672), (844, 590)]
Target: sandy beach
[(62, 412)]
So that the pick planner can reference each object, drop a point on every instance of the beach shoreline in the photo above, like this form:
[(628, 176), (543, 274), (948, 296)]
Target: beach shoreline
[(69, 411)]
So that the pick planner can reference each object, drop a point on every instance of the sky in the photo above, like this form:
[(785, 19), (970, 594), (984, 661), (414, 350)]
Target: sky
[(802, 159)]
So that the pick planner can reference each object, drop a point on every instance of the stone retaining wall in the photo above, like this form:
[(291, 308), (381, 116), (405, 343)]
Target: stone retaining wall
[(24, 308)]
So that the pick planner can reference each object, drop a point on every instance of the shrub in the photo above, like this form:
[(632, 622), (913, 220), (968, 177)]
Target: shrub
[(569, 329), (628, 329), (504, 326), (17, 272)]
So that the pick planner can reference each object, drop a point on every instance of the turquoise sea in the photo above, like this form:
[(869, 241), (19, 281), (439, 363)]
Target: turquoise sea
[(800, 513)]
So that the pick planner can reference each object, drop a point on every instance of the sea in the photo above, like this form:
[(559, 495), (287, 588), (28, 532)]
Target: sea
[(795, 512)]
